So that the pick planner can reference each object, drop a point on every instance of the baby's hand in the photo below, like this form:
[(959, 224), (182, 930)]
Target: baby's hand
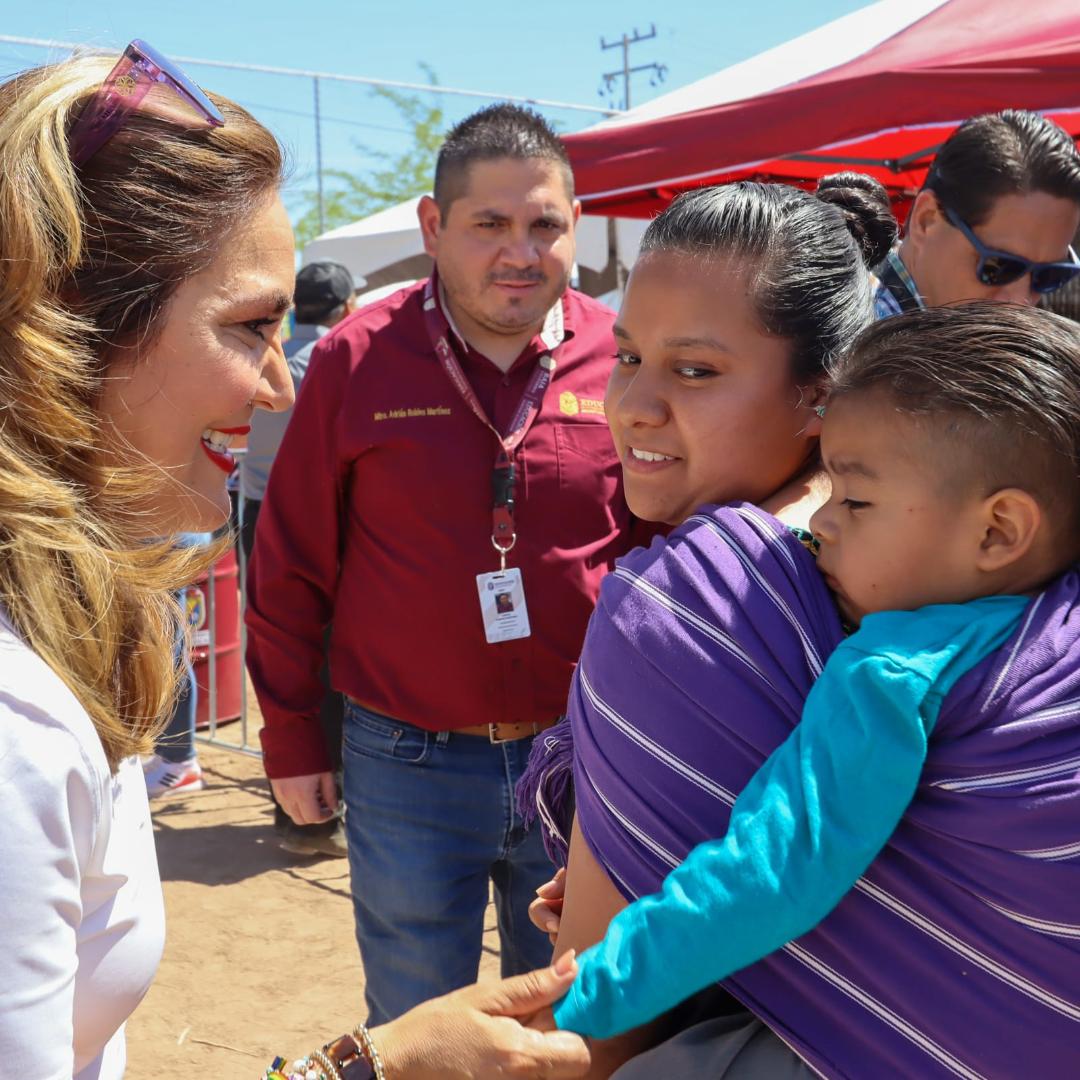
[(546, 910)]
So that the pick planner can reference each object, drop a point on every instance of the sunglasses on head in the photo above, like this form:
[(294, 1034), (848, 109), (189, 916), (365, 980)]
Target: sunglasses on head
[(140, 69), (1002, 267)]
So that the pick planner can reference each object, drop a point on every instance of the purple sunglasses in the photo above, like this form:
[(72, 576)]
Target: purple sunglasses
[(136, 73)]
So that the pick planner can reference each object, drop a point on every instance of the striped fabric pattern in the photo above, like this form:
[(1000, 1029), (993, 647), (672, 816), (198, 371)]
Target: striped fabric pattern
[(958, 953)]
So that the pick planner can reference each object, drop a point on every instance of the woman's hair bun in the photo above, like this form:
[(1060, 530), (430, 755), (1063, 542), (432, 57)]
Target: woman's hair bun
[(866, 209)]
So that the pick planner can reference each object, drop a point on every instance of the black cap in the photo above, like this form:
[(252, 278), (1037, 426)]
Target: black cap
[(321, 287)]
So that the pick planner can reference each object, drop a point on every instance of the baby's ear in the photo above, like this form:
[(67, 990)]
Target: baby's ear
[(1012, 521)]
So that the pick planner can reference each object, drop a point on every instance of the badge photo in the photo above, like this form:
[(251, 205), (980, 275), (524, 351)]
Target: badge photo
[(502, 605)]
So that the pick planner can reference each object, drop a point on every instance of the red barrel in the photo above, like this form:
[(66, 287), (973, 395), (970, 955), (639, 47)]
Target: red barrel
[(218, 608)]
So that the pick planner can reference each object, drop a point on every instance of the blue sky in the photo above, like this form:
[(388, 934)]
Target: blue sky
[(548, 50)]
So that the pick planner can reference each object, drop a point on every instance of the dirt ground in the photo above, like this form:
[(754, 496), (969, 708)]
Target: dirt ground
[(260, 957)]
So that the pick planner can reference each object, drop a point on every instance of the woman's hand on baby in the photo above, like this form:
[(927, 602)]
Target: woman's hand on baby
[(487, 1031), (546, 910)]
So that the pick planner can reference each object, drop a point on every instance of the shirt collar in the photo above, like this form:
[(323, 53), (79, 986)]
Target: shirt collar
[(553, 331), (895, 278)]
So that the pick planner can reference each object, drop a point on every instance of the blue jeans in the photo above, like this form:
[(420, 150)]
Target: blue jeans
[(176, 743), (430, 820)]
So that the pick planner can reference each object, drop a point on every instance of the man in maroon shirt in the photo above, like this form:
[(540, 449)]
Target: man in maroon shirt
[(448, 496)]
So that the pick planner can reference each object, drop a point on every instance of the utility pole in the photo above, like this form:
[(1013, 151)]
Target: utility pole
[(318, 154), (624, 73)]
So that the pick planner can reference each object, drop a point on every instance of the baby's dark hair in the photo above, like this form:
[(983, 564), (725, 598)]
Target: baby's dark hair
[(998, 386)]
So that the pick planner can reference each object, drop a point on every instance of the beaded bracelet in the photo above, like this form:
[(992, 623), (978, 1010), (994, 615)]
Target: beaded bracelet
[(367, 1046), (301, 1069), (319, 1065), (307, 1068), (332, 1071)]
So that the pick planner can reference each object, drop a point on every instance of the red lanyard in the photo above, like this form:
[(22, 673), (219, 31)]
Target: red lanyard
[(503, 534)]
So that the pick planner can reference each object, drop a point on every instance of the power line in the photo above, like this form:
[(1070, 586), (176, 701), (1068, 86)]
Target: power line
[(316, 78), (424, 88), (307, 114)]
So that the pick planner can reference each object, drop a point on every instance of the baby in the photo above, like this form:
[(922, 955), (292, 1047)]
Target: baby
[(952, 440)]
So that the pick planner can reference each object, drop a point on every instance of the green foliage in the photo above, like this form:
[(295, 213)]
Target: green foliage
[(348, 196)]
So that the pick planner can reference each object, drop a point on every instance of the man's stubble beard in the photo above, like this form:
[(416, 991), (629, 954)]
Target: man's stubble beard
[(492, 323)]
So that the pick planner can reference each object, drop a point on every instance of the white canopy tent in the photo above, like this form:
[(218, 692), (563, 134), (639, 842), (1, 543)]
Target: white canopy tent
[(372, 243)]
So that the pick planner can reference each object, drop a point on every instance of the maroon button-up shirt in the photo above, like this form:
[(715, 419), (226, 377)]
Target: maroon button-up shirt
[(378, 517)]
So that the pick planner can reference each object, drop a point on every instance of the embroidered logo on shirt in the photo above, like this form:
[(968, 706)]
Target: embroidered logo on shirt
[(570, 405), (403, 414)]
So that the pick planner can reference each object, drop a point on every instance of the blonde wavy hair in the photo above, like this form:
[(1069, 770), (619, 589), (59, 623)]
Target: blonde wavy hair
[(89, 260)]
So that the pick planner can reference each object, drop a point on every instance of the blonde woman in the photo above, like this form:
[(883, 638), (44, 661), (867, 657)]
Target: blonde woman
[(147, 263)]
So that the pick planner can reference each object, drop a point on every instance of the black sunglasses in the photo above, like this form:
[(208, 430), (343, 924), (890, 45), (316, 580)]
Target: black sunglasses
[(1002, 267)]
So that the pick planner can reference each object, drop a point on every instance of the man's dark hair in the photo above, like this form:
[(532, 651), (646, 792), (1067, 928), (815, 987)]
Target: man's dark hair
[(998, 386), (1004, 153), (499, 131)]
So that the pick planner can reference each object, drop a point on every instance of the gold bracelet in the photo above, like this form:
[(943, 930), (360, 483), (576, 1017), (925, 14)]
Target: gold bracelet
[(332, 1072), (363, 1037)]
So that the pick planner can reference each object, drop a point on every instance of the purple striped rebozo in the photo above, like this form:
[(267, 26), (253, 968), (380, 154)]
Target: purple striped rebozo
[(958, 952)]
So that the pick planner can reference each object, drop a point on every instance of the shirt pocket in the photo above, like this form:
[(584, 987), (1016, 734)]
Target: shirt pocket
[(584, 450), (590, 492)]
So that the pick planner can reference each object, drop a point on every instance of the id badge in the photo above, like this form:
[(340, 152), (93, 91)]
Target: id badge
[(502, 605)]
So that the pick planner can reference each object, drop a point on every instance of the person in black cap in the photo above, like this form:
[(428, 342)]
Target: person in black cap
[(325, 294)]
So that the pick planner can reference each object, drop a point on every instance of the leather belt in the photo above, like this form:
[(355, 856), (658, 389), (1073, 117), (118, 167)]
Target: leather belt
[(506, 731)]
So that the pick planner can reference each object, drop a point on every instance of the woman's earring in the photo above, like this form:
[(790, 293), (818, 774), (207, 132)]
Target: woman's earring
[(820, 410)]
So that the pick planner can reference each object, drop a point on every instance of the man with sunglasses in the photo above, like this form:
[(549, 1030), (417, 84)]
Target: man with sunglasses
[(993, 221)]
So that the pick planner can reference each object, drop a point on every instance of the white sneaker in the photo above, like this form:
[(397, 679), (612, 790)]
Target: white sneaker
[(163, 776)]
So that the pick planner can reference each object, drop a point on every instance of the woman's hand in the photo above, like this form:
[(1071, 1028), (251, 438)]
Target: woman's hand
[(307, 799), (546, 910), (487, 1031)]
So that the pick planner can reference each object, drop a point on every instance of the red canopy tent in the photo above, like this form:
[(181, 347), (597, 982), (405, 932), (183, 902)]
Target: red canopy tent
[(884, 112)]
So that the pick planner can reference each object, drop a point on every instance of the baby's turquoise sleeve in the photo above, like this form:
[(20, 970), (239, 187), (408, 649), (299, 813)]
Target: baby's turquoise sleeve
[(804, 829)]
